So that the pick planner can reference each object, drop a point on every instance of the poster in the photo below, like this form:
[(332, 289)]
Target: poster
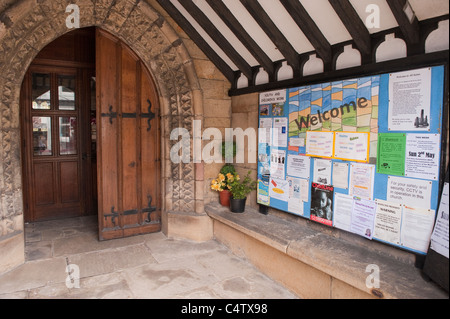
[(273, 97), (439, 238), (277, 163), (279, 189), (422, 156), (265, 130), (388, 220), (352, 146), (363, 215), (410, 100), (417, 225), (322, 203), (298, 166), (340, 175), (295, 203), (362, 180), (391, 153), (280, 132), (322, 171), (343, 207), (263, 191), (319, 144), (414, 192)]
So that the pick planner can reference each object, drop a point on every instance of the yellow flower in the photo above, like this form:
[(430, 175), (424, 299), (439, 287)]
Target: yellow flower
[(221, 177), (238, 178)]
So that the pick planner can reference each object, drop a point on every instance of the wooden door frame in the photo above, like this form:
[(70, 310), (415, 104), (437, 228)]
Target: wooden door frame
[(81, 71)]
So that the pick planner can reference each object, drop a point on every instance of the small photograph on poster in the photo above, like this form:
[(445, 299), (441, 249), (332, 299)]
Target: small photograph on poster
[(363, 215), (322, 203), (422, 156), (388, 220), (391, 154), (322, 171), (264, 110)]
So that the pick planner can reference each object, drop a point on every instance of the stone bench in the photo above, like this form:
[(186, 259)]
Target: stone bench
[(316, 264)]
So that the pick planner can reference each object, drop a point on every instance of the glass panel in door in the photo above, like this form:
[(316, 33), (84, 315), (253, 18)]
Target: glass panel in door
[(40, 91), (42, 136), (66, 92), (67, 135)]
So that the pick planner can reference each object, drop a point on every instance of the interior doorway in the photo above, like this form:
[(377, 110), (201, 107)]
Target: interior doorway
[(58, 120)]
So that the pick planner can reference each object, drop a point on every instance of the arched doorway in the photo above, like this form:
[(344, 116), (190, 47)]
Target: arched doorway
[(87, 96)]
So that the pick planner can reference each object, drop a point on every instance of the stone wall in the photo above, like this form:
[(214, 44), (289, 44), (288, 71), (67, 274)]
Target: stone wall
[(189, 85)]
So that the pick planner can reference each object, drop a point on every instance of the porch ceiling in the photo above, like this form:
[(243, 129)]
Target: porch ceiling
[(246, 37)]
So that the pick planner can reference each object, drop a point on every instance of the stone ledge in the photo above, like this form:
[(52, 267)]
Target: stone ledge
[(335, 257)]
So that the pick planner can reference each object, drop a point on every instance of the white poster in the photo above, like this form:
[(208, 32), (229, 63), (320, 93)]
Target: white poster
[(265, 129), (340, 175), (409, 100), (273, 97), (388, 220), (362, 180), (280, 132), (439, 238), (304, 187), (298, 166), (343, 207), (319, 144), (295, 203), (322, 171), (279, 189), (417, 225), (363, 214), (408, 191), (422, 156), (352, 146), (277, 163)]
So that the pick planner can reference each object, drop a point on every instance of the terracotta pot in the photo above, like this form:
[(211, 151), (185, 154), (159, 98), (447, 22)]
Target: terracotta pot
[(224, 198)]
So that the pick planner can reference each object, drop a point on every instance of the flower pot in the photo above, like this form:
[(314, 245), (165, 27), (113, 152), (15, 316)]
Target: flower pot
[(224, 198), (237, 205)]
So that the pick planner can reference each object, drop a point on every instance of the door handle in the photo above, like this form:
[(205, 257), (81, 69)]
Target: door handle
[(84, 156)]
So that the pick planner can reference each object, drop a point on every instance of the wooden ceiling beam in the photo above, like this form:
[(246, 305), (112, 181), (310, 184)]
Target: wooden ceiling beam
[(235, 26), (410, 30), (217, 37), (354, 25), (269, 27), (198, 39), (310, 29)]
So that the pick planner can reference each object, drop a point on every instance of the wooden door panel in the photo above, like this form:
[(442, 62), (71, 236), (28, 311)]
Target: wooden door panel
[(69, 182), (128, 152), (44, 184)]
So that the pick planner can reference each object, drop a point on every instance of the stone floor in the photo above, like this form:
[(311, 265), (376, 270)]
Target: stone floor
[(141, 267)]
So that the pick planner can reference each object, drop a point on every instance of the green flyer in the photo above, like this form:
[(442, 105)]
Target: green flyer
[(391, 153)]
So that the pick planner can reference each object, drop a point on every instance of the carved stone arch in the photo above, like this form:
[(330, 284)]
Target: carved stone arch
[(29, 25)]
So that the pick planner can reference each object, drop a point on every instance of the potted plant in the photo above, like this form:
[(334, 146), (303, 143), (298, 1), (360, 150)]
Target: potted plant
[(240, 188), (222, 184)]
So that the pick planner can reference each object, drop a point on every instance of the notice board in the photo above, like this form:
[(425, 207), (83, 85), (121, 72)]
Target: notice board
[(362, 155)]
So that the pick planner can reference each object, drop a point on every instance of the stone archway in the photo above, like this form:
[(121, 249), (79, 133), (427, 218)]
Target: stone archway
[(28, 26)]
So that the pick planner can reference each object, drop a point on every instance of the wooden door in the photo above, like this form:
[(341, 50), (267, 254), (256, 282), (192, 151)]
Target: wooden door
[(128, 142), (52, 143)]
